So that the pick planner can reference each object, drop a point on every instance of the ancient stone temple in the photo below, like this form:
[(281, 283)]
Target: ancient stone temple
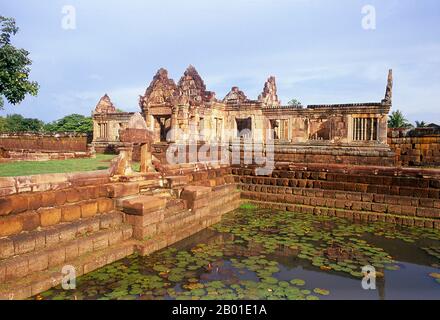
[(328, 160), (107, 122), (187, 112)]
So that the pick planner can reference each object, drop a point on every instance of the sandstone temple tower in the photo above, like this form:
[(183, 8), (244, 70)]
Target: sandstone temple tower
[(199, 116)]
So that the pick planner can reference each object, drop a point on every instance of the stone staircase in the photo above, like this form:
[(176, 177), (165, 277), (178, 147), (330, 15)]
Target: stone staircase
[(371, 194), (44, 231), (94, 222), (162, 219)]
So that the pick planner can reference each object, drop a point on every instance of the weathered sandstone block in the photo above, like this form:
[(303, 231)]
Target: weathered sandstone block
[(49, 216), (143, 205), (105, 205), (118, 190), (89, 209), (71, 213)]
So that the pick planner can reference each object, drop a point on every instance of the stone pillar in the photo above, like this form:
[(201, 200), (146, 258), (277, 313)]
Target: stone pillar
[(382, 129), (356, 129), (174, 123), (364, 129), (349, 120), (195, 126)]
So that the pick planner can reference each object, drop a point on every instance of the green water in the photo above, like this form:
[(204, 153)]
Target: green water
[(263, 254)]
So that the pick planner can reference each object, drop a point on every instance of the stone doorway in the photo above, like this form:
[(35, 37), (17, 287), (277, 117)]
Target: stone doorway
[(244, 128), (162, 127)]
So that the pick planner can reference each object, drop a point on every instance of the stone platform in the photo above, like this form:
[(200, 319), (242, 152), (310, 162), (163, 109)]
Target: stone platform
[(88, 220)]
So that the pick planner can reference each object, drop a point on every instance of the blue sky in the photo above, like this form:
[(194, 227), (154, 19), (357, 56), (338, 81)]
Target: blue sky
[(317, 50)]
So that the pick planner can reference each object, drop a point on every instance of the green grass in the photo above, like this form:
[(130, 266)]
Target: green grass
[(25, 168), (248, 206)]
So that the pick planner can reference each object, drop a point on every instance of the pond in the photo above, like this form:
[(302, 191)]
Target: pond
[(264, 254)]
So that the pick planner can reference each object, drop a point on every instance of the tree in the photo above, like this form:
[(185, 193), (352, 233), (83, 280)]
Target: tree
[(2, 124), (397, 120), (421, 124), (71, 123), (14, 67), (294, 103), (17, 123)]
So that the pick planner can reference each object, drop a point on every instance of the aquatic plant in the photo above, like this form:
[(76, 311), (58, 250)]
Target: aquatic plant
[(247, 265)]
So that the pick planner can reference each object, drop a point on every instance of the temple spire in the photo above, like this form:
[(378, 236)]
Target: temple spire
[(269, 95), (105, 105), (389, 90)]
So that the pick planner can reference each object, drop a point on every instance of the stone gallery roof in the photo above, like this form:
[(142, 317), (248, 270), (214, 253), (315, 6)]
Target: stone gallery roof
[(235, 96), (191, 91), (345, 105)]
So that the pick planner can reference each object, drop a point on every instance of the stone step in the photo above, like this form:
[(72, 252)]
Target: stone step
[(360, 184), (142, 205), (157, 224), (176, 221), (47, 258), (36, 197), (353, 214), (148, 226), (425, 208), (176, 181), (173, 207), (147, 185), (41, 281), (165, 239), (161, 193), (42, 238), (349, 195), (44, 217)]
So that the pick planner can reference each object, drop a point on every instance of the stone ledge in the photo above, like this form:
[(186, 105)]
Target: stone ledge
[(48, 182), (352, 214), (42, 281), (143, 205)]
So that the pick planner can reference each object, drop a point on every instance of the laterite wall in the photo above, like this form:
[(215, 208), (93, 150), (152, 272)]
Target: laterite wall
[(401, 196), (418, 148), (44, 142)]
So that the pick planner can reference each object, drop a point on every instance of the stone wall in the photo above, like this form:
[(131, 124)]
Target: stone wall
[(89, 220), (348, 155), (158, 222), (400, 196), (44, 142), (419, 147), (48, 221), (43, 147)]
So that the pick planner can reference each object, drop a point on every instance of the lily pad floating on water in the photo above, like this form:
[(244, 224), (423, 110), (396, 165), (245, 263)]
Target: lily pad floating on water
[(322, 292), (270, 280), (298, 282)]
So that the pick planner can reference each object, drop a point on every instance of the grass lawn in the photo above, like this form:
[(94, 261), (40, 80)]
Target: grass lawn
[(26, 168)]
